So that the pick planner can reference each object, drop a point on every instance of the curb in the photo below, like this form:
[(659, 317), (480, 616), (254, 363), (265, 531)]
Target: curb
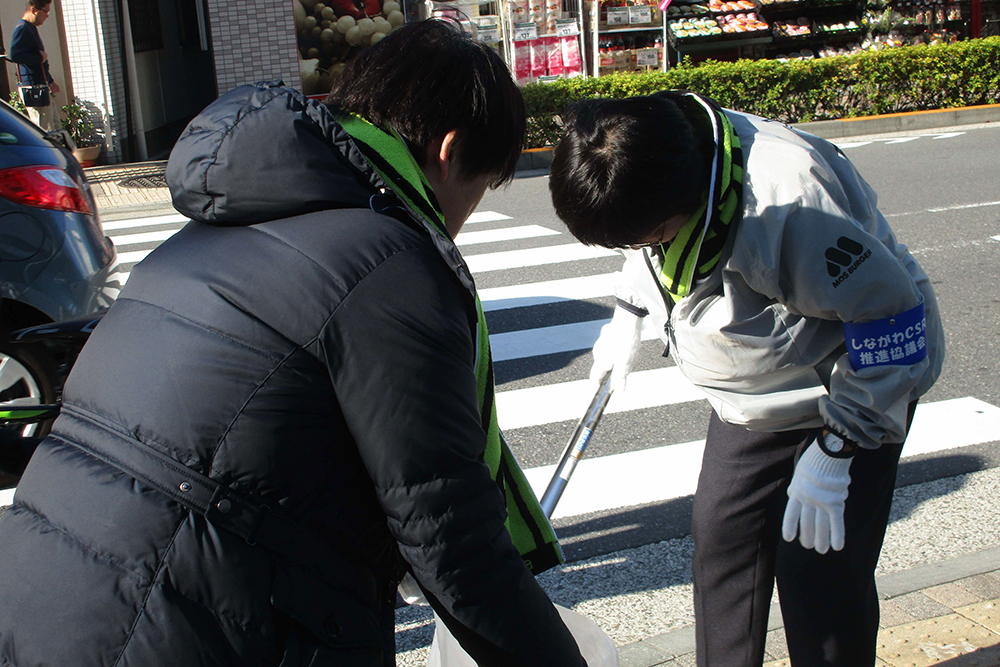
[(537, 159), (671, 649)]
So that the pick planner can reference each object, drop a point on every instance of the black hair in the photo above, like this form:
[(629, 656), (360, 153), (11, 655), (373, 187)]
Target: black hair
[(624, 167), (39, 4), (428, 78)]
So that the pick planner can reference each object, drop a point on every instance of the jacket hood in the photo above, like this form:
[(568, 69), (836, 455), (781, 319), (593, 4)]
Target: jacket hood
[(264, 152)]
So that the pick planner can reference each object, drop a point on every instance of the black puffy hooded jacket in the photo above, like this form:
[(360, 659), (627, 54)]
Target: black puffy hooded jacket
[(276, 418)]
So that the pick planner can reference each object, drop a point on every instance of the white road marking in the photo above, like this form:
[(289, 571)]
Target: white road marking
[(526, 343), (948, 135), (671, 471), (515, 259), (901, 141), (143, 237), (486, 216), (549, 291), (961, 207), (144, 222), (564, 401), (507, 234), (133, 256), (852, 144)]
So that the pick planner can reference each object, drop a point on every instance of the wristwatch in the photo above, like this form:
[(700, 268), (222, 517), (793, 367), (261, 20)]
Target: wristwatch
[(834, 445)]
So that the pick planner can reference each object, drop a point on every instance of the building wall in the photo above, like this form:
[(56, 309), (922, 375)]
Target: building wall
[(253, 40), (95, 56)]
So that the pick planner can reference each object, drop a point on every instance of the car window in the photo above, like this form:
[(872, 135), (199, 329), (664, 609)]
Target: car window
[(15, 129)]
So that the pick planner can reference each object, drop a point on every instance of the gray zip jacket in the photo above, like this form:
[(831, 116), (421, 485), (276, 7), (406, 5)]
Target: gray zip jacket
[(763, 336)]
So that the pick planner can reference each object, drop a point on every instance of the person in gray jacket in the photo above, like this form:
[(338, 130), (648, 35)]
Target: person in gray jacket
[(758, 255)]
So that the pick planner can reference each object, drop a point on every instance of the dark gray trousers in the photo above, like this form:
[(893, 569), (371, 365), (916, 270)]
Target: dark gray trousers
[(828, 602)]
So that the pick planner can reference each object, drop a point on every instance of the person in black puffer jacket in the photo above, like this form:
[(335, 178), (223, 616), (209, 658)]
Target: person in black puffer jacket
[(290, 404)]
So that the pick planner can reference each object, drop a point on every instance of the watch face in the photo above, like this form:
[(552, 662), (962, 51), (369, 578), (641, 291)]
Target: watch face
[(833, 443)]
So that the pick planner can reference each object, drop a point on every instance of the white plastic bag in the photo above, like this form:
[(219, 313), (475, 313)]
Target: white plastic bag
[(596, 647)]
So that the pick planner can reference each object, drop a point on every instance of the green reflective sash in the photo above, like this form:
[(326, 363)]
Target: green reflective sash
[(529, 529)]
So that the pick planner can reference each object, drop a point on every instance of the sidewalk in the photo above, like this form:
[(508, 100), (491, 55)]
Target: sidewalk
[(945, 614)]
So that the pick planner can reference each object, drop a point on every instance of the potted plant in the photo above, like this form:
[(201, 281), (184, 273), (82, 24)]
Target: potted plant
[(76, 121)]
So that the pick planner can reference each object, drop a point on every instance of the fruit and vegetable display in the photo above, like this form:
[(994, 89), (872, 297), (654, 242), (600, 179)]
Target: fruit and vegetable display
[(720, 7), (330, 32), (741, 24), (675, 11), (688, 28), (799, 28), (839, 27)]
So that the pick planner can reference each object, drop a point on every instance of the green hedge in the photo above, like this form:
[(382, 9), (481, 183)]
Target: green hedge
[(911, 78)]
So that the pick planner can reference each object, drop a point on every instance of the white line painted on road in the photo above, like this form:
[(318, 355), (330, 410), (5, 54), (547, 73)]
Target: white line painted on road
[(901, 141), (506, 234), (143, 237), (948, 135), (515, 259), (623, 480), (551, 340), (668, 472), (486, 216), (958, 422), (550, 291), (961, 207), (852, 144), (133, 256), (145, 222), (549, 404), (995, 238), (671, 471)]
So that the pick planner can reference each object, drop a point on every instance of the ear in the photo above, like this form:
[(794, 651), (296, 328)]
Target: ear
[(445, 154)]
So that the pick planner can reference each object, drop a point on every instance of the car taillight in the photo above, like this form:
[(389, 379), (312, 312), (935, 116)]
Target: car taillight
[(43, 186)]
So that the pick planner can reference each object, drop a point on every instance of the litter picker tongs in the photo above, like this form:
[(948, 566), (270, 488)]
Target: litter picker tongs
[(577, 444)]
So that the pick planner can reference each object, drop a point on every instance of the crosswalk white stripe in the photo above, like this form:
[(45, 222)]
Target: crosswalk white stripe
[(144, 222), (486, 216), (564, 401), (507, 234), (671, 471), (133, 256), (549, 291), (143, 237), (515, 259), (550, 340)]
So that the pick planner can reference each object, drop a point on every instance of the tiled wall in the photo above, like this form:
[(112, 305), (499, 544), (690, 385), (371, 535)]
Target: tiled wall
[(253, 40), (95, 55)]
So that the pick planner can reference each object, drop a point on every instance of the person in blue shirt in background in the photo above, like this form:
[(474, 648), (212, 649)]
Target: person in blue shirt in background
[(28, 52)]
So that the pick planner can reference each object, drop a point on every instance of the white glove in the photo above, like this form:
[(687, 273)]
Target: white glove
[(616, 348), (816, 500)]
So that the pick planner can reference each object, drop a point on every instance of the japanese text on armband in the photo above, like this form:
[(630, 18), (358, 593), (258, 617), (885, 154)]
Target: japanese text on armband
[(898, 340)]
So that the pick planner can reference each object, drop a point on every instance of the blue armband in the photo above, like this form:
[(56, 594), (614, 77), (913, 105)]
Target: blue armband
[(899, 340)]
